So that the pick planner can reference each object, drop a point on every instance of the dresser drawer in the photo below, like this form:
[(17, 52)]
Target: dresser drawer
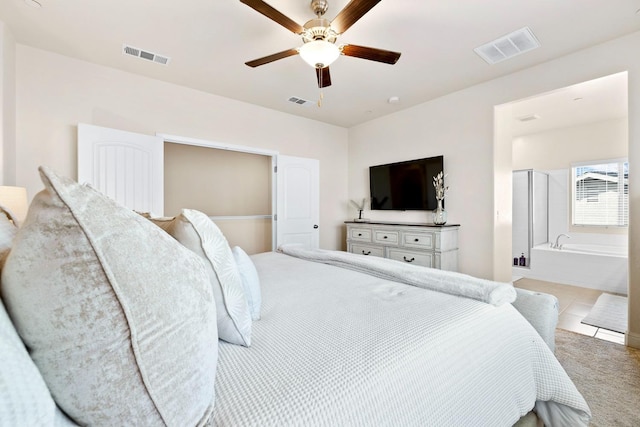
[(367, 250), (416, 258), (418, 240), (386, 237), (360, 234), (412, 243)]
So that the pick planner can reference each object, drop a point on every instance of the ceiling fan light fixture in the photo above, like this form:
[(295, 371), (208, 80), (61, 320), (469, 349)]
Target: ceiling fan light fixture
[(319, 53)]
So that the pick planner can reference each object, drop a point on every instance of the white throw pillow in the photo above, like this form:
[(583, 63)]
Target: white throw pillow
[(197, 232), (117, 315), (250, 281), (24, 397)]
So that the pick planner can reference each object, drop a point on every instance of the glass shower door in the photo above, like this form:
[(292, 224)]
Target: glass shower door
[(530, 213)]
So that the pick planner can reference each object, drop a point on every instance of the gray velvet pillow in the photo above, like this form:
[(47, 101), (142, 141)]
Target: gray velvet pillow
[(118, 316)]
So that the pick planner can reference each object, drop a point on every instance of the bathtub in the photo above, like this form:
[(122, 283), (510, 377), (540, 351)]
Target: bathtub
[(605, 250), (590, 266)]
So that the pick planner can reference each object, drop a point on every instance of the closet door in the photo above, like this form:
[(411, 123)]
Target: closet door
[(298, 197), (126, 166)]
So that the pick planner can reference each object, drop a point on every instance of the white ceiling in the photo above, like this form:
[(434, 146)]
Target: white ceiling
[(588, 102), (208, 42)]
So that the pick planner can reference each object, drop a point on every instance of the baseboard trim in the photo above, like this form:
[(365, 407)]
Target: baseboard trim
[(632, 340)]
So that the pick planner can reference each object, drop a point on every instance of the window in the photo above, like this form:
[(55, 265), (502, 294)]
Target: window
[(601, 193)]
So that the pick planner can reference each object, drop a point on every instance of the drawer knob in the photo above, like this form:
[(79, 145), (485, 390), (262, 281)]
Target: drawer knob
[(408, 260), (416, 240), (359, 234), (384, 237), (366, 253)]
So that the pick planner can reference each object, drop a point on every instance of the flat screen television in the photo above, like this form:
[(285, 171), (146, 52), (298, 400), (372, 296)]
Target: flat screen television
[(405, 185)]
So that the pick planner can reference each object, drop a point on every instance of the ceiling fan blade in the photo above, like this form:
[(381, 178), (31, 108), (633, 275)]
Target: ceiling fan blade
[(351, 13), (370, 53), (324, 78), (271, 58), (274, 15)]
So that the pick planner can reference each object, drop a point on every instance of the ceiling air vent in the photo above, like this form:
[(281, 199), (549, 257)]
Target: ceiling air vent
[(145, 54), (506, 47), (528, 118), (301, 101)]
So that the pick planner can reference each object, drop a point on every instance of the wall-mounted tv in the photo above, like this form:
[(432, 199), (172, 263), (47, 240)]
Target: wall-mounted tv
[(406, 185)]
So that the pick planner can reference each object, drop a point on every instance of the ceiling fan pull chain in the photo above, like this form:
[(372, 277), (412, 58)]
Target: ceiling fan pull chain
[(320, 87)]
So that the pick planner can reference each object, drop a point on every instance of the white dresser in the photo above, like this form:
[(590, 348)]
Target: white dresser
[(427, 245)]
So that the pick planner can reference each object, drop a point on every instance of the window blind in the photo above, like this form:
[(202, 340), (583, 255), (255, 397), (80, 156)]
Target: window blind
[(601, 194)]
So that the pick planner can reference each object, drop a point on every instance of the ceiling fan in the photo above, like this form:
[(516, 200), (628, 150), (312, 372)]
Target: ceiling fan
[(319, 36)]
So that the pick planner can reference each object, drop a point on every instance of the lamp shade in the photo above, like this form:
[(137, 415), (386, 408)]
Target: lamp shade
[(14, 200), (319, 53)]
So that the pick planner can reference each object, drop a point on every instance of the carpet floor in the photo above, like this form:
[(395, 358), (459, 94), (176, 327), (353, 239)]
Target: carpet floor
[(607, 375)]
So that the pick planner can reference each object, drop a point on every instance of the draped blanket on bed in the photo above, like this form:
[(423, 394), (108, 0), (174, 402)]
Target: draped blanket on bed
[(443, 281), (338, 347)]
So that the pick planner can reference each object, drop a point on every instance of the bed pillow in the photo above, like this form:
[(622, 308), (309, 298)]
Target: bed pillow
[(118, 317), (25, 401), (197, 232), (25, 397), (8, 231), (250, 281)]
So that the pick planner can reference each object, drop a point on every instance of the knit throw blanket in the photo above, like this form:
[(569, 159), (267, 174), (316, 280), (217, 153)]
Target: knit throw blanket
[(449, 282)]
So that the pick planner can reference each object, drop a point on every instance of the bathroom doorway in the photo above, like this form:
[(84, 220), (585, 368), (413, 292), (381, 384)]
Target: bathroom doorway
[(552, 133), (555, 133)]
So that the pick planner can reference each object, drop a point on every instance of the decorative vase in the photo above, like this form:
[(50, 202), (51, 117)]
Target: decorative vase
[(439, 215)]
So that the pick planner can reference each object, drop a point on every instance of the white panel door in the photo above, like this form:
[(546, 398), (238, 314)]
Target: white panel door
[(126, 166), (298, 195)]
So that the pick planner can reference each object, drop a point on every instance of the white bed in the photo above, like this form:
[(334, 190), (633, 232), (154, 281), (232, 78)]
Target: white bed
[(113, 320), (339, 347)]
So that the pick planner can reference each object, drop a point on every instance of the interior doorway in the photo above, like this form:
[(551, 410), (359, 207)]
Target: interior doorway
[(555, 133)]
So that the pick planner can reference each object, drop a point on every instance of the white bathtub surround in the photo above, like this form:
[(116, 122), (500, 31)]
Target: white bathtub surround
[(603, 267), (592, 239), (586, 248)]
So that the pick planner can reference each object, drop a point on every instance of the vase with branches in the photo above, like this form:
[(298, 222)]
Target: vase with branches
[(440, 215), (360, 207)]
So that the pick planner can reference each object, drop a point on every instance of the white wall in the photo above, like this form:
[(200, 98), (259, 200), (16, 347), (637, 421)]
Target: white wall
[(558, 148), (7, 107), (478, 155), (453, 126), (558, 203), (460, 126), (54, 93)]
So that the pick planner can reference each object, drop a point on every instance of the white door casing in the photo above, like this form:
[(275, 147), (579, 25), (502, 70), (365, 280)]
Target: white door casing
[(298, 201), (126, 166)]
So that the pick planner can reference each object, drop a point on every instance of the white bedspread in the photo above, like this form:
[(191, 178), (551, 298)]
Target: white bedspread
[(339, 347)]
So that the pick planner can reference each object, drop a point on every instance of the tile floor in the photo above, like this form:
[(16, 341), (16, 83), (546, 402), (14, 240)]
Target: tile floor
[(575, 304)]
